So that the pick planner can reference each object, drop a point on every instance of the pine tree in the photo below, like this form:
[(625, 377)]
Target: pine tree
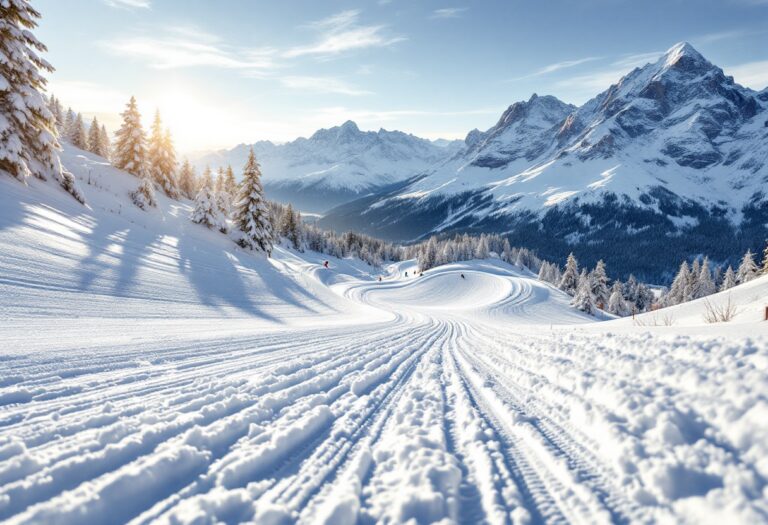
[(251, 214), (747, 269), (569, 282), (162, 158), (54, 105), (706, 283), (205, 211), (765, 260), (428, 256), (599, 284), (482, 251), (187, 182), (77, 134), (104, 145), (616, 303), (144, 196), (678, 289), (583, 299), (729, 279), (28, 143), (230, 184), (69, 121), (289, 227), (94, 137), (130, 152)]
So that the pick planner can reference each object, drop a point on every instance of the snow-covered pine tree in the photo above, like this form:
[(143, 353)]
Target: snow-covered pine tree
[(706, 283), (144, 196), (569, 282), (230, 184), (94, 137), (28, 143), (677, 291), (289, 227), (54, 105), (599, 283), (205, 211), (77, 134), (747, 269), (130, 153), (692, 288), (104, 145), (223, 199), (187, 180), (583, 299), (729, 279), (69, 120), (162, 158), (506, 251), (428, 256), (251, 214), (616, 303), (482, 251)]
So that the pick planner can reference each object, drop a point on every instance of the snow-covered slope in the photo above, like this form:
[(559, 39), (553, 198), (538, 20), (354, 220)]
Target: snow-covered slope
[(150, 372), (745, 305), (674, 149), (335, 165)]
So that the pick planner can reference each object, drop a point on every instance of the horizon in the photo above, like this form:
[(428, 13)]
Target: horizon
[(278, 76)]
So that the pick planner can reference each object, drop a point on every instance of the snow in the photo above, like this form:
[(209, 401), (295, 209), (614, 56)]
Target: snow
[(153, 372)]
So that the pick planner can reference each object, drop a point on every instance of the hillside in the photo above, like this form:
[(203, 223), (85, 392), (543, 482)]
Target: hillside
[(152, 372)]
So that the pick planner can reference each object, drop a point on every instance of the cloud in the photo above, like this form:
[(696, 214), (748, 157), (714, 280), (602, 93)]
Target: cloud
[(342, 32), (751, 74), (448, 12), (322, 85), (557, 66), (128, 4), (628, 62), (189, 47)]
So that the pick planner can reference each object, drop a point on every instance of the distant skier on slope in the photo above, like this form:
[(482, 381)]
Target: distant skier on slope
[(462, 276), (325, 264)]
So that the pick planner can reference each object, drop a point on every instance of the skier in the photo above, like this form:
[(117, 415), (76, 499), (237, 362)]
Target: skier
[(379, 278), (325, 264), (406, 274), (462, 275)]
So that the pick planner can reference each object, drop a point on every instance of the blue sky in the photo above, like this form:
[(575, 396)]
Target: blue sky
[(236, 71)]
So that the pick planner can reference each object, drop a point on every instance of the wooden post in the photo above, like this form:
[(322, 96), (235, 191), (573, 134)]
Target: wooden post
[(766, 313)]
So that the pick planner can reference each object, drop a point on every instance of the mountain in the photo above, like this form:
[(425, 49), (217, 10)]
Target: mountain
[(335, 165), (670, 162)]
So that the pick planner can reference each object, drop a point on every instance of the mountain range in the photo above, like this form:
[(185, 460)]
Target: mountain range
[(335, 165), (668, 163)]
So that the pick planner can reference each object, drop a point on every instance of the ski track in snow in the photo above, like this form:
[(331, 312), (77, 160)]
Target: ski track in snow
[(435, 414), (431, 399)]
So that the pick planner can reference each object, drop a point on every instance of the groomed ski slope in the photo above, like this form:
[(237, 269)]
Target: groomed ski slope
[(150, 372)]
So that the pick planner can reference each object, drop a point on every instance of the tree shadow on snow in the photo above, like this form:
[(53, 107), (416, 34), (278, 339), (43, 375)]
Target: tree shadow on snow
[(216, 280)]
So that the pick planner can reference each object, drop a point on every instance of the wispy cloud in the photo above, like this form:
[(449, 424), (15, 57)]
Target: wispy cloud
[(129, 4), (322, 85), (557, 66), (448, 12), (629, 62), (189, 47), (751, 74), (342, 32)]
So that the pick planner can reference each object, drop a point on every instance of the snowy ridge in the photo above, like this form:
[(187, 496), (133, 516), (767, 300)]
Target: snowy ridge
[(339, 163), (153, 373)]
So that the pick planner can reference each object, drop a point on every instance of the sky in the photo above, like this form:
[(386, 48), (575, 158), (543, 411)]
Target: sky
[(238, 71)]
